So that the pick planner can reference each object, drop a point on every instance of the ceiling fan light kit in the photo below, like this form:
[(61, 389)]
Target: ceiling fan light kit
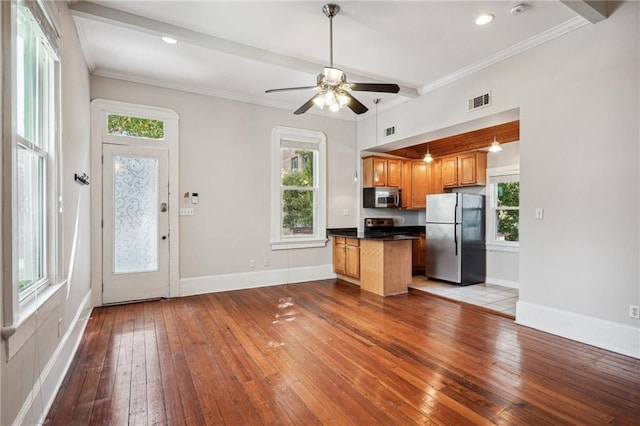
[(332, 82)]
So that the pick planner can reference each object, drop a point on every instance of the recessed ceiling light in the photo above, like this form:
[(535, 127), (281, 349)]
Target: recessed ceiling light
[(169, 40), (484, 19)]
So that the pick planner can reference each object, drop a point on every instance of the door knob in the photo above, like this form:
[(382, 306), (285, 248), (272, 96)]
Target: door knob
[(164, 237), (163, 207)]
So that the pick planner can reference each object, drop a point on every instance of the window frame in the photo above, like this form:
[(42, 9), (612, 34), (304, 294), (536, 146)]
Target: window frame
[(280, 137), (493, 176), (18, 305)]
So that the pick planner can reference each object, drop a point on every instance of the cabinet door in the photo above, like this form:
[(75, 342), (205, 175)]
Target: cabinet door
[(419, 254), (353, 262), (419, 184), (339, 256), (449, 171), (379, 172), (406, 184), (435, 173), (467, 169), (394, 173)]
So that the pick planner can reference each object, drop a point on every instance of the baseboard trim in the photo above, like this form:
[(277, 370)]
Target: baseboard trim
[(615, 337), (58, 364), (244, 280), (502, 283)]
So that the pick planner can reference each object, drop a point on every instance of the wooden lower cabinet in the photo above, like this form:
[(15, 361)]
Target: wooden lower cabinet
[(346, 257), (419, 254)]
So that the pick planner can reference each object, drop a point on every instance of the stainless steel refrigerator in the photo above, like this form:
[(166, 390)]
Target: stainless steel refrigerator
[(455, 238)]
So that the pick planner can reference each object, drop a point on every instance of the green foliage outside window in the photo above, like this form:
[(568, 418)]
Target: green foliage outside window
[(135, 126), (508, 219), (297, 204)]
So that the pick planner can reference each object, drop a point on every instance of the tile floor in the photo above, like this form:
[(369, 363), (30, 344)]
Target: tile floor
[(489, 296)]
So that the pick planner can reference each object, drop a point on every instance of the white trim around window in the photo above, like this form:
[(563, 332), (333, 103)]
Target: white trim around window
[(494, 176), (31, 249), (308, 140)]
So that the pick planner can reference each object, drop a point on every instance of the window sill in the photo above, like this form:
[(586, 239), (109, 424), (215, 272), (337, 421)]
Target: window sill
[(298, 244), (503, 247), (32, 314)]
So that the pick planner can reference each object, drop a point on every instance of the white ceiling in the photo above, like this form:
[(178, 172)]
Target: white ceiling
[(239, 49)]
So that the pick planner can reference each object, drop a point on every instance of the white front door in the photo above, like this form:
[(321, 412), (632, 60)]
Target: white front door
[(135, 223)]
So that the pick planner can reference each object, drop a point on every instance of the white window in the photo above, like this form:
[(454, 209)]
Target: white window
[(36, 163), (503, 218), (298, 196)]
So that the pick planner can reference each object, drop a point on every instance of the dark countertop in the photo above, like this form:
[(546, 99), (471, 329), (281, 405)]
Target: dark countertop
[(400, 233)]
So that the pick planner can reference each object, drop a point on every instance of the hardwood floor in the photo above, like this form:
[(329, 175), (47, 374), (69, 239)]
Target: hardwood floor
[(325, 353)]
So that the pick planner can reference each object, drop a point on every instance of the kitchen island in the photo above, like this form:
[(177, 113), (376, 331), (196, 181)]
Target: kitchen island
[(379, 264)]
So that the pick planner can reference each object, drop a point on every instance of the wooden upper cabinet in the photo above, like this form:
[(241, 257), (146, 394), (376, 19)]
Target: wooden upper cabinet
[(435, 174), (406, 184), (394, 172), (464, 170), (419, 184), (380, 171), (449, 171)]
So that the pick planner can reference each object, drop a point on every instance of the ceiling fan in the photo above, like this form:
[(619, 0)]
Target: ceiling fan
[(332, 82)]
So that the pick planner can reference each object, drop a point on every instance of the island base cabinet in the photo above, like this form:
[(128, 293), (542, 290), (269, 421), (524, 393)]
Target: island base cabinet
[(385, 266), (346, 258)]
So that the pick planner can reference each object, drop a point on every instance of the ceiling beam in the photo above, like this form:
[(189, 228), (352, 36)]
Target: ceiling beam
[(92, 11), (592, 11)]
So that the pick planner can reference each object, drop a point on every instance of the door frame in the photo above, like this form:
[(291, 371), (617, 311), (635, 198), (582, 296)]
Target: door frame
[(99, 110)]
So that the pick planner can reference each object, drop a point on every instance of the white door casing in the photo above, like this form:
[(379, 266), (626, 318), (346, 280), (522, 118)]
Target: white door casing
[(100, 108)]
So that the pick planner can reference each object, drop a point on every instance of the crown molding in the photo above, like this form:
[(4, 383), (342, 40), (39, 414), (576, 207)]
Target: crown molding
[(523, 46)]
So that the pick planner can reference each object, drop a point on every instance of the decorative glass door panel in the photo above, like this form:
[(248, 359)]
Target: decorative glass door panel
[(136, 211), (135, 228)]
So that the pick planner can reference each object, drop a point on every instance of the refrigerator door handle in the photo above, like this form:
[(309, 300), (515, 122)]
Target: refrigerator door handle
[(455, 226)]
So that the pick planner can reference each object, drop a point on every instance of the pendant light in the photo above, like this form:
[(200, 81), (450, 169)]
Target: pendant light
[(495, 146), (427, 157)]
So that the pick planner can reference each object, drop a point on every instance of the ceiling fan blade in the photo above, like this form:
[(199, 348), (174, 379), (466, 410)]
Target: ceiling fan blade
[(355, 105), (304, 108), (375, 87), (290, 88)]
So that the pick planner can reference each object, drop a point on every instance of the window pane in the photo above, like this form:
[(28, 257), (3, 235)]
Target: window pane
[(507, 225), (135, 214), (508, 194), (30, 220), (135, 127), (27, 99), (299, 177), (297, 212)]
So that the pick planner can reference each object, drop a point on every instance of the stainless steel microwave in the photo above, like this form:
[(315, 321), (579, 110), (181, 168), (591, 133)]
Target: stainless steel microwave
[(381, 197)]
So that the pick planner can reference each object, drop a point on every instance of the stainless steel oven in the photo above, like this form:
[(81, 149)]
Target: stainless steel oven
[(381, 197)]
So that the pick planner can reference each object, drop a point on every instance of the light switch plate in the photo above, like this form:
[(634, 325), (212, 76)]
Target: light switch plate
[(187, 211), (539, 213)]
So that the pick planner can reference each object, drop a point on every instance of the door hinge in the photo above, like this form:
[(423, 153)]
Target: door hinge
[(102, 224)]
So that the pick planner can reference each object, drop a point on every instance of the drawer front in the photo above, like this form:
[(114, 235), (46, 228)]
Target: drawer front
[(339, 240), (353, 242)]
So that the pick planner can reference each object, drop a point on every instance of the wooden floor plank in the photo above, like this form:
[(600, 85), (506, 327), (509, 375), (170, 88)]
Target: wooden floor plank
[(325, 353)]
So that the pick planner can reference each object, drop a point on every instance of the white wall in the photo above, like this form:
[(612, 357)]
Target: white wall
[(224, 157), (30, 377), (579, 137)]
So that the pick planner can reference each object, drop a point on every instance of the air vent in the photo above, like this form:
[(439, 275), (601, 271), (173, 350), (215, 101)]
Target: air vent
[(479, 101), (390, 131)]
